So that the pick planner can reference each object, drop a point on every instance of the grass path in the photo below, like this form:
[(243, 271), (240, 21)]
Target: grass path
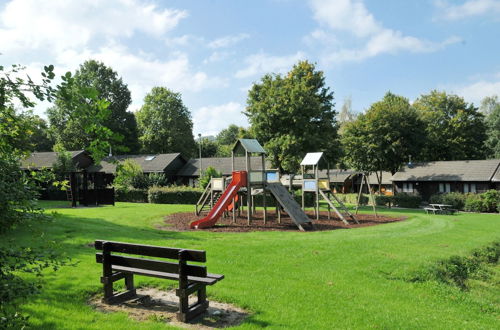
[(337, 279)]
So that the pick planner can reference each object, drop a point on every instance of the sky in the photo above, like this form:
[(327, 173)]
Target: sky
[(212, 51)]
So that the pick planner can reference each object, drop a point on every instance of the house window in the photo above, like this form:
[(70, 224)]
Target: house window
[(444, 188), (469, 188), (407, 187)]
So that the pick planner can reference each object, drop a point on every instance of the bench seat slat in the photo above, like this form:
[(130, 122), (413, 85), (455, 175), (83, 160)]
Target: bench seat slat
[(154, 265), (153, 251), (170, 276)]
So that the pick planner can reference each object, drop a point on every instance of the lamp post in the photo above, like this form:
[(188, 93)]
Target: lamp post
[(199, 145)]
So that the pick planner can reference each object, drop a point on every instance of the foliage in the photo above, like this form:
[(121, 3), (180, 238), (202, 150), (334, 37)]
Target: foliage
[(126, 172), (457, 270), (209, 148), (474, 203), (165, 124), (209, 173), (174, 195), (384, 200), (71, 123), (144, 181), (384, 137), (292, 115), (353, 198), (454, 129), (493, 131), (455, 199), (485, 202), (40, 139), (63, 164), (489, 104), (407, 200), (131, 195), (228, 136)]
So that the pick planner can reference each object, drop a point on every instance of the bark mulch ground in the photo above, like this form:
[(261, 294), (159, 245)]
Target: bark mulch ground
[(180, 222)]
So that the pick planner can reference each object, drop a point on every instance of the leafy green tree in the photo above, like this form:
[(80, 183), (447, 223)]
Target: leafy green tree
[(126, 173), (209, 147), (493, 132), (41, 139), (229, 135), (384, 137), (18, 192), (69, 128), (63, 164), (455, 130), (209, 173), (489, 104), (165, 124), (292, 115)]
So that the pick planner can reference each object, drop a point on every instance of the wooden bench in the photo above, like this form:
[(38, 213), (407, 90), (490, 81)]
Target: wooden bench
[(191, 278)]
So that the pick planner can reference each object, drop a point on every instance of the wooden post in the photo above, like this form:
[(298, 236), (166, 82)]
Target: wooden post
[(264, 180), (74, 188), (316, 174), (183, 283), (107, 272), (249, 190), (371, 195), (303, 186), (360, 190)]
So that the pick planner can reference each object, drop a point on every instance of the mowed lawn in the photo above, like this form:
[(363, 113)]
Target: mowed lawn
[(354, 278)]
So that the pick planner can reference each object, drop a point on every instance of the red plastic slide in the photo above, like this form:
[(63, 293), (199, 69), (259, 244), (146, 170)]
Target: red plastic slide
[(239, 180)]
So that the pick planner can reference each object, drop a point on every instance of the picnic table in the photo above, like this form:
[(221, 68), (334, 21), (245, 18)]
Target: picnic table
[(440, 209)]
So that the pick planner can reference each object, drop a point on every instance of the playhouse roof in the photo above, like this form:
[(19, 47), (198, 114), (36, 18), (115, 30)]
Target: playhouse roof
[(312, 158), (250, 145)]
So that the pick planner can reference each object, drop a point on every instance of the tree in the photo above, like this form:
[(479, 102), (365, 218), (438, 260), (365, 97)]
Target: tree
[(384, 137), (455, 130), (68, 128), (126, 173), (165, 124), (489, 104), (228, 136), (292, 115), (41, 139), (346, 114), (209, 173), (18, 191), (209, 147), (493, 132)]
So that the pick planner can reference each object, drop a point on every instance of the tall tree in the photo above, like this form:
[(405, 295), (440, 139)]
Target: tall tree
[(165, 124), (489, 104), (41, 139), (384, 137), (228, 135), (68, 129), (292, 115), (455, 130), (493, 127)]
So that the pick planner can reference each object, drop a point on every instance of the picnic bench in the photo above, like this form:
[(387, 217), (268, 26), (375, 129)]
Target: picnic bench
[(191, 278), (439, 209)]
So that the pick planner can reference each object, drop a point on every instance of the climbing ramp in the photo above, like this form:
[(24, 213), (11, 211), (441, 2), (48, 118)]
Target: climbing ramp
[(342, 206), (289, 204)]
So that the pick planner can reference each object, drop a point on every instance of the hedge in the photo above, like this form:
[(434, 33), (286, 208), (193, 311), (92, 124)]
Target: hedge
[(383, 200), (131, 195), (485, 202), (174, 195), (455, 199), (407, 200)]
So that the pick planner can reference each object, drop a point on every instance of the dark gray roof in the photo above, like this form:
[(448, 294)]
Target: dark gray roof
[(460, 170), (191, 169), (339, 176), (39, 160), (250, 145), (496, 177), (149, 163)]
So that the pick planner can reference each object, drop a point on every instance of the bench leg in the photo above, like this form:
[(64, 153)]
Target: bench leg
[(188, 312), (110, 297)]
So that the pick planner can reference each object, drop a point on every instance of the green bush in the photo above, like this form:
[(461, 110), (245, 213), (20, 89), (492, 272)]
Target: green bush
[(455, 199), (131, 195), (353, 198), (383, 200), (485, 202), (126, 172), (145, 181), (209, 173), (174, 195), (407, 200)]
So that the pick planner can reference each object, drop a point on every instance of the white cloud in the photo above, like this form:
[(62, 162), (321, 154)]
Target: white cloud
[(218, 56), (210, 120), (467, 9), (478, 90), (263, 63), (58, 25), (228, 40), (352, 17)]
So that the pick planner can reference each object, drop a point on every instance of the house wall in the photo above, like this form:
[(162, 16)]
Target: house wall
[(427, 189)]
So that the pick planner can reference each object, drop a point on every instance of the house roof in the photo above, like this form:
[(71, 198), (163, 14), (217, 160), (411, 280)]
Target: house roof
[(338, 176), (460, 170), (496, 177), (38, 160), (222, 164), (149, 163)]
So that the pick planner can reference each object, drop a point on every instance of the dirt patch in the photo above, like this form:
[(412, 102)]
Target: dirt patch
[(180, 222), (161, 306)]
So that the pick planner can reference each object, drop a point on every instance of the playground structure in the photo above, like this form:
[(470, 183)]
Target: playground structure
[(244, 185), (320, 187), (89, 189)]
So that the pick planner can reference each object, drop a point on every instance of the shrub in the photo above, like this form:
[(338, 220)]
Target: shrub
[(455, 199), (407, 200), (210, 172), (474, 203), (383, 200), (131, 195), (174, 195), (491, 199), (144, 181), (126, 173), (353, 198)]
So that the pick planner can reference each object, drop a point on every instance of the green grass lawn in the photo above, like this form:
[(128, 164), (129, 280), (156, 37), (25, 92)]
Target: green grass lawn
[(355, 278)]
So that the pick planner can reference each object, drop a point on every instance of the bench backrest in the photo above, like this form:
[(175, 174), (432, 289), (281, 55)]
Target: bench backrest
[(182, 255)]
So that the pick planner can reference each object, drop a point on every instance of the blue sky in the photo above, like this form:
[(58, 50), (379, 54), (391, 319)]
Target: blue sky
[(212, 51)]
